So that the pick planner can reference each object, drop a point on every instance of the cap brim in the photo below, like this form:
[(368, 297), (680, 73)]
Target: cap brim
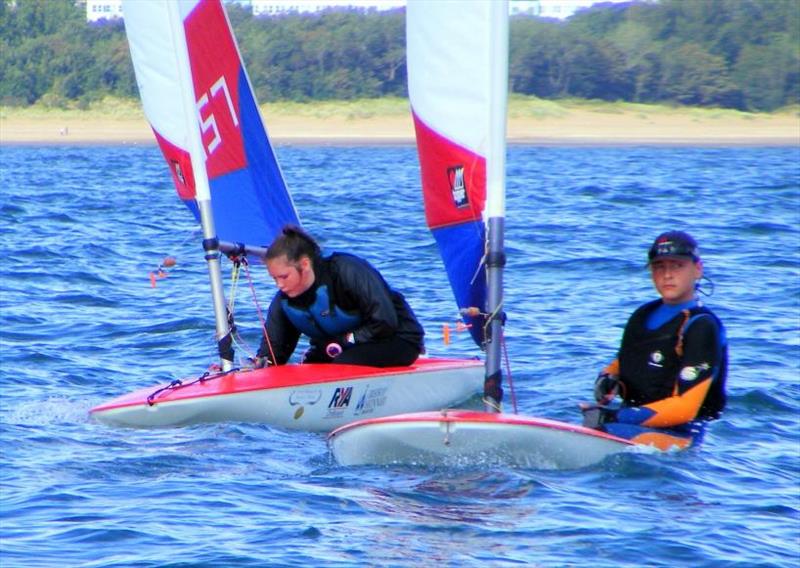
[(691, 257)]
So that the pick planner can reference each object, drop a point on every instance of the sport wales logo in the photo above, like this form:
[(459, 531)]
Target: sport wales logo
[(456, 177)]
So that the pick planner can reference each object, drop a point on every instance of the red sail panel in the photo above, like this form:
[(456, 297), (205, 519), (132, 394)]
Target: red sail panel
[(453, 179)]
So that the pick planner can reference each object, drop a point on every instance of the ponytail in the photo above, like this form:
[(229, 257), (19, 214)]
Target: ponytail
[(294, 243)]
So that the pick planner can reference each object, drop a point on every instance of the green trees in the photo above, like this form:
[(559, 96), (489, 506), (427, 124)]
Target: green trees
[(334, 55), (733, 53), (741, 54), (51, 55), (693, 76)]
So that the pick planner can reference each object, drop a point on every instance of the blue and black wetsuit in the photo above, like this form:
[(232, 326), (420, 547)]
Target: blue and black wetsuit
[(672, 365), (349, 296)]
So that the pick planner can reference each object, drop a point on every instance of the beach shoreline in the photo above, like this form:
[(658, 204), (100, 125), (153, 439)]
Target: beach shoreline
[(574, 126)]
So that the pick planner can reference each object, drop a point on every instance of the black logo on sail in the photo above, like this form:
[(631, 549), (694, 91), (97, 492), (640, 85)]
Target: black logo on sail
[(178, 172), (456, 177)]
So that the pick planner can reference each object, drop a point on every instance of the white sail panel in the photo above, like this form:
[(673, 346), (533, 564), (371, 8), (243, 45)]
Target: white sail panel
[(156, 42), (450, 92)]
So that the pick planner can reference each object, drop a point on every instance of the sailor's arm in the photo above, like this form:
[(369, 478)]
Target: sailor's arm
[(670, 411)]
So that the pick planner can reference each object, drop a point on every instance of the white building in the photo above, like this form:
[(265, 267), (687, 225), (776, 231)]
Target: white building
[(560, 9), (279, 7), (110, 9), (103, 10)]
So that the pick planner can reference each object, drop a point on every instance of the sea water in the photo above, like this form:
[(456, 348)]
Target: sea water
[(82, 228)]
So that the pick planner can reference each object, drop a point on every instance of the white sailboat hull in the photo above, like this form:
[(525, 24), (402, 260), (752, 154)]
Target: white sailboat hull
[(461, 438), (314, 397)]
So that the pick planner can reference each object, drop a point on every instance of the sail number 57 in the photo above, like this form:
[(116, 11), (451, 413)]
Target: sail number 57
[(209, 124)]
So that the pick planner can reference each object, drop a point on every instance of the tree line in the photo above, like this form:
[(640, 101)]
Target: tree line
[(742, 54)]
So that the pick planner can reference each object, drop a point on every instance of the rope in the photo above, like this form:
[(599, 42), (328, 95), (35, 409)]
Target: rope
[(504, 347), (679, 345), (260, 313), (238, 262), (487, 322), (236, 339), (177, 383), (235, 266), (488, 401), (508, 372)]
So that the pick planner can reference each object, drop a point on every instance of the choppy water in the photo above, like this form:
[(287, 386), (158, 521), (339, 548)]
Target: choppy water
[(83, 226)]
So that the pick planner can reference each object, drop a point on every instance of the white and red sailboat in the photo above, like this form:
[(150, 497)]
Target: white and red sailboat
[(200, 104), (458, 85)]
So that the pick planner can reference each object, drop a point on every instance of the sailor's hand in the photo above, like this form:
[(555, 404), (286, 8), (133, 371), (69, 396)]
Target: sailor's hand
[(595, 415), (261, 362), (606, 387)]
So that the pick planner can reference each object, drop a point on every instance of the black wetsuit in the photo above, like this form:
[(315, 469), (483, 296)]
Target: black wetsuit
[(660, 369), (349, 296)]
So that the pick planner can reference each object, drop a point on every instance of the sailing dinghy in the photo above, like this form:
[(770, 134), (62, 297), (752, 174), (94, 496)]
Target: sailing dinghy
[(457, 81), (200, 104)]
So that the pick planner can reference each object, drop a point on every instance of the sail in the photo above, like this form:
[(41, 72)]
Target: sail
[(199, 101), (455, 106)]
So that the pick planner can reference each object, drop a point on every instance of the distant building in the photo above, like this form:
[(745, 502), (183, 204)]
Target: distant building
[(559, 9), (103, 10), (280, 7)]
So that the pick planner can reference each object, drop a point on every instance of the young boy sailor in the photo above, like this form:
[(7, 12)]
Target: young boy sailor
[(672, 363)]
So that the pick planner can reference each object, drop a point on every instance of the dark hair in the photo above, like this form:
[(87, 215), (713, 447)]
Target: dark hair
[(294, 243)]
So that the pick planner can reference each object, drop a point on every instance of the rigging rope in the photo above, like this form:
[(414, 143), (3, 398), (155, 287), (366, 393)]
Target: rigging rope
[(177, 383), (508, 371), (488, 318), (235, 275), (260, 313), (240, 261)]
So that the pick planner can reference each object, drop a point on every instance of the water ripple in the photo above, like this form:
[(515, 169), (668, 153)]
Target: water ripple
[(81, 323)]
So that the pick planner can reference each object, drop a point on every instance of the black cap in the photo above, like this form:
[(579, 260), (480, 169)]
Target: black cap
[(674, 243)]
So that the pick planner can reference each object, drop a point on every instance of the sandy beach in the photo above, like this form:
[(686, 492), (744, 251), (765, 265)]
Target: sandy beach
[(609, 124)]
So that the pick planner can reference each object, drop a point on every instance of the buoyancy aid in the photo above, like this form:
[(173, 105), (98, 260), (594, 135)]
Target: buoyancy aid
[(322, 319), (651, 360)]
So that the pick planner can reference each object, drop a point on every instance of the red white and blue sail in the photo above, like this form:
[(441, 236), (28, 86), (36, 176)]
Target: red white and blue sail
[(453, 102), (199, 101)]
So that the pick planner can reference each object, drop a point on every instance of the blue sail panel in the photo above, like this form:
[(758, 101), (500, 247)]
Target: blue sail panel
[(462, 248), (251, 204)]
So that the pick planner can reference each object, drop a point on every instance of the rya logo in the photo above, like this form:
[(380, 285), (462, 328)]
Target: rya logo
[(341, 397)]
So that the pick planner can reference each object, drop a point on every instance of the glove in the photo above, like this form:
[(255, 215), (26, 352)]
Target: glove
[(594, 416), (261, 362), (606, 387)]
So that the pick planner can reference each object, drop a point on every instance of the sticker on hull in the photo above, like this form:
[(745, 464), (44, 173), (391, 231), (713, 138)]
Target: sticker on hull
[(372, 399)]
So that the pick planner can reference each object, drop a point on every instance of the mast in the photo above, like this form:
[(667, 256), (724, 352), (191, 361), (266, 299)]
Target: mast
[(457, 60), (495, 199), (203, 193)]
